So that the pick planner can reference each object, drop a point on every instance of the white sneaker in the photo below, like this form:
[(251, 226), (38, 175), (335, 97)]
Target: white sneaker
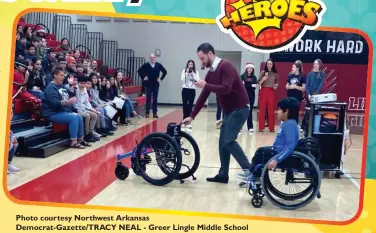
[(250, 131), (189, 126), (12, 169)]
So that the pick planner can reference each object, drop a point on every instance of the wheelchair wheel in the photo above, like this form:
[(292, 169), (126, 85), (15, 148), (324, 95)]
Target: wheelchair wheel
[(310, 146), (297, 164), (121, 171), (135, 168), (164, 151), (188, 170)]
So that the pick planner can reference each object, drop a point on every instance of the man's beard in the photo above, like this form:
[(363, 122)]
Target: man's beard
[(208, 64)]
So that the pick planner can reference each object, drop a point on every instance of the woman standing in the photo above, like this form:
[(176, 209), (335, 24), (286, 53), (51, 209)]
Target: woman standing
[(296, 82), (315, 79), (268, 82), (250, 83), (189, 76)]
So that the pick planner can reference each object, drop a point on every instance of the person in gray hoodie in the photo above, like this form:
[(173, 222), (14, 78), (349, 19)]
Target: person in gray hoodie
[(86, 110)]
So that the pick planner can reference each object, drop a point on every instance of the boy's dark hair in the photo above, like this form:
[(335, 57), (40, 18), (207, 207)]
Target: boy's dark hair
[(292, 105), (57, 70), (206, 48), (29, 46), (61, 59)]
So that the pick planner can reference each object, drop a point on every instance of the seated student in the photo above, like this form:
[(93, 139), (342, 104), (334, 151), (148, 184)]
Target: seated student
[(21, 47), (105, 123), (87, 111), (120, 90), (13, 144), (30, 52), (37, 78), (285, 142), (21, 76), (108, 94), (58, 107)]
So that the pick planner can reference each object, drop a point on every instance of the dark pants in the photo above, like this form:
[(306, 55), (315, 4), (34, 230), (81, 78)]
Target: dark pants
[(143, 87), (152, 91), (262, 156), (251, 98), (188, 96), (232, 123), (219, 111)]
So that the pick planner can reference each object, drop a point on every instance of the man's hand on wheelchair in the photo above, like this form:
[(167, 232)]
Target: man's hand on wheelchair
[(187, 121), (272, 165)]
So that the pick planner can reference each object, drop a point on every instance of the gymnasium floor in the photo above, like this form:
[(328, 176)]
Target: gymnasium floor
[(87, 176)]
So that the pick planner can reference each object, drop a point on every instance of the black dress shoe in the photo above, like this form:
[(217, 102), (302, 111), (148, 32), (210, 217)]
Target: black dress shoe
[(218, 179)]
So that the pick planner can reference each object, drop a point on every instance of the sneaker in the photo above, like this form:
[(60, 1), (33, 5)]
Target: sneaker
[(12, 169), (189, 126), (96, 135), (250, 131), (245, 176)]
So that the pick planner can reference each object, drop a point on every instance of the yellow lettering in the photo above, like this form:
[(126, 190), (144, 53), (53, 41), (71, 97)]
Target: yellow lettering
[(279, 8), (310, 11), (247, 13), (234, 18), (262, 9), (295, 10)]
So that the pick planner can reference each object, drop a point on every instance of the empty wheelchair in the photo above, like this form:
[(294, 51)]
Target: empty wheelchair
[(158, 157), (294, 183)]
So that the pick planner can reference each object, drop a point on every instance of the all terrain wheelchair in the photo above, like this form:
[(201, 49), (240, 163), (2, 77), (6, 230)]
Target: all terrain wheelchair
[(168, 150), (294, 183)]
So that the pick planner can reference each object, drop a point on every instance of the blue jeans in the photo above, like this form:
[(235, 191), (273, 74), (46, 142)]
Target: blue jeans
[(12, 152), (75, 122), (149, 92)]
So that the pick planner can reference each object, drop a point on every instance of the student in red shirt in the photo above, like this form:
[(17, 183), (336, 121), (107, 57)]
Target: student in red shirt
[(224, 80), (21, 76)]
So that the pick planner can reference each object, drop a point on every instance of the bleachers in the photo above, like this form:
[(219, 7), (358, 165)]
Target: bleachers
[(43, 139)]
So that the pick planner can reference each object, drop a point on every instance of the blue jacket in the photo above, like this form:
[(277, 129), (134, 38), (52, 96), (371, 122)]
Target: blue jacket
[(315, 82), (52, 97), (286, 140)]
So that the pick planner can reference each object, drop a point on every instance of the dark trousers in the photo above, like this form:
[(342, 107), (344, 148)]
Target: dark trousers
[(143, 88), (152, 92), (219, 111), (232, 123), (188, 97), (251, 98), (262, 156), (120, 114)]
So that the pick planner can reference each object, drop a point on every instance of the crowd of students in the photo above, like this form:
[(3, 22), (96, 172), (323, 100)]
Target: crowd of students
[(299, 86), (61, 86)]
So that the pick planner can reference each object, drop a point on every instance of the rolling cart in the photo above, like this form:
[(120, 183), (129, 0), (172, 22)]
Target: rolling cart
[(331, 143)]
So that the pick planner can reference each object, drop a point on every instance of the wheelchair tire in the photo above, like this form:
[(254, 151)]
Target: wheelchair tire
[(196, 150), (121, 172), (171, 175), (314, 189)]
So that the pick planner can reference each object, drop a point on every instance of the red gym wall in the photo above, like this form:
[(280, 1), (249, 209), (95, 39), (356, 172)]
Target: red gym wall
[(350, 80)]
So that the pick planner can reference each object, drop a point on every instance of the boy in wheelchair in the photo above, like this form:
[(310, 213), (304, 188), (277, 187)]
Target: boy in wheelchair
[(285, 142)]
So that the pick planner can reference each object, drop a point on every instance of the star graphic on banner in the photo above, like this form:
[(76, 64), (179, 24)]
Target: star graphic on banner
[(258, 25)]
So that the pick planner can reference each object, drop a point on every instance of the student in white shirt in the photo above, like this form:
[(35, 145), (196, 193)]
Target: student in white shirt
[(189, 76)]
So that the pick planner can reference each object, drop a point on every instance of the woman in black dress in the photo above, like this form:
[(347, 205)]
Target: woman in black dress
[(250, 83)]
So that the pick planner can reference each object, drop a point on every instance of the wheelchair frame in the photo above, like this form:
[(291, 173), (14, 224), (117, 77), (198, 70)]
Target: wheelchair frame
[(259, 189), (174, 134)]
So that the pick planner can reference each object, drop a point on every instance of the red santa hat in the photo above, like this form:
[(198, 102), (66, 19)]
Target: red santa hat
[(249, 65)]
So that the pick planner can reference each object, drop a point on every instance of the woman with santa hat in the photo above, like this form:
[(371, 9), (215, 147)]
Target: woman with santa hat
[(250, 83)]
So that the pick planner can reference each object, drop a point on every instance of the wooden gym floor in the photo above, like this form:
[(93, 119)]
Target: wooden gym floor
[(87, 176)]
